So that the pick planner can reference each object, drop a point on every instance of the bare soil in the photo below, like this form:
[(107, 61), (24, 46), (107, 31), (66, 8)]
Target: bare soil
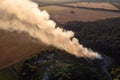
[(65, 14), (15, 47)]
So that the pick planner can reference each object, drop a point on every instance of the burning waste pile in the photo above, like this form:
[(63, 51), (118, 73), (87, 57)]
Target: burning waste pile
[(27, 12)]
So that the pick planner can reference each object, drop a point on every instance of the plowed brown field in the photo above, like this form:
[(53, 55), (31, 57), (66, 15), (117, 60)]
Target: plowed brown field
[(66, 14)]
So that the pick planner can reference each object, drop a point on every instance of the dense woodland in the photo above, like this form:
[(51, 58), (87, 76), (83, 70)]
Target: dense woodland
[(102, 36)]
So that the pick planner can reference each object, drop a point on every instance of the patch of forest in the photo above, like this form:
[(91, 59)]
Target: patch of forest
[(102, 36)]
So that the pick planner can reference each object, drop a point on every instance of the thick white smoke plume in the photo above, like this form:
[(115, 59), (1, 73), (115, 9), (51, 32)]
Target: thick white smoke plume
[(46, 31)]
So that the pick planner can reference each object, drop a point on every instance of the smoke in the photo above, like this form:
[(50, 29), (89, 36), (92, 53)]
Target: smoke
[(27, 13)]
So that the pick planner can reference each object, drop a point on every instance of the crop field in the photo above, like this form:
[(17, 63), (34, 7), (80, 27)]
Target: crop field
[(65, 14)]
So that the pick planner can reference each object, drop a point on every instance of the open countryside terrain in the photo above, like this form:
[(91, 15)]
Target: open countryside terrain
[(18, 46), (55, 1), (14, 45), (94, 5), (62, 14), (68, 1)]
